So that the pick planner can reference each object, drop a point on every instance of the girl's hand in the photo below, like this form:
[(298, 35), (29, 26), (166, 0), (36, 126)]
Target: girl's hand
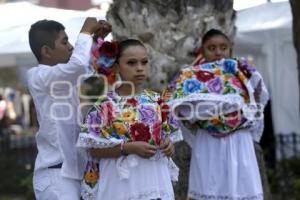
[(167, 147), (142, 149)]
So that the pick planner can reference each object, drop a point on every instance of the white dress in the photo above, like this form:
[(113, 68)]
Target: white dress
[(149, 179), (224, 168)]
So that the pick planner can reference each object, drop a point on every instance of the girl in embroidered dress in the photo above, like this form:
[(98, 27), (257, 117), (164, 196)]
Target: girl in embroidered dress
[(220, 104), (130, 130)]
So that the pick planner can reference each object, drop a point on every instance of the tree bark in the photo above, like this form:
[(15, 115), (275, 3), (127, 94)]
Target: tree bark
[(295, 6), (171, 29)]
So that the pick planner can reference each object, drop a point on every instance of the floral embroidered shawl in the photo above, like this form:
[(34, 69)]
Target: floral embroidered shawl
[(227, 81)]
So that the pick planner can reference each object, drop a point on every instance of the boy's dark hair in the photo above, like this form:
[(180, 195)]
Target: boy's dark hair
[(43, 32), (213, 32), (127, 43)]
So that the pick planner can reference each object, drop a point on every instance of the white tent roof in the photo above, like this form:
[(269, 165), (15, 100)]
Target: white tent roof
[(265, 16), (18, 17), (264, 33)]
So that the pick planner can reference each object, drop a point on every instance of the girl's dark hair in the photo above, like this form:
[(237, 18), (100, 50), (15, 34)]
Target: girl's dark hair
[(125, 44), (213, 32)]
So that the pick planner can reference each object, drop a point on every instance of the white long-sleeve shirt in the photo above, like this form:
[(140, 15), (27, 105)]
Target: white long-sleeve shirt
[(55, 95)]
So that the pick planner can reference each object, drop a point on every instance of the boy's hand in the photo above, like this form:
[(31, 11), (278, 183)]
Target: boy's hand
[(104, 30), (167, 147), (90, 26), (140, 148)]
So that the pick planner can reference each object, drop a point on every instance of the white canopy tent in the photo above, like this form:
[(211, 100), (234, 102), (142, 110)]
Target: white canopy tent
[(264, 34), (16, 19)]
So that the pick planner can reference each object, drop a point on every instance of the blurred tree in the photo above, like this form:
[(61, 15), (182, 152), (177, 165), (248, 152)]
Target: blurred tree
[(171, 29), (295, 5)]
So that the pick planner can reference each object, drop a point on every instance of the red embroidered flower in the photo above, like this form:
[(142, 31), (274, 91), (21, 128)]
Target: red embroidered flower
[(107, 113), (204, 76), (133, 102), (165, 109), (233, 119), (109, 49), (140, 132), (156, 134)]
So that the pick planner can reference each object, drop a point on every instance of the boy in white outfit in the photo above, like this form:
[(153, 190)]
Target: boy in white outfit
[(52, 84)]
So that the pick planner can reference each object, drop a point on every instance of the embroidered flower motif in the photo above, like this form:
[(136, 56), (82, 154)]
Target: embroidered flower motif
[(191, 86), (109, 49), (91, 177), (91, 174), (120, 128), (187, 74), (207, 66), (230, 66), (164, 109), (173, 121), (235, 81), (233, 119), (107, 113), (105, 62), (204, 75), (93, 121), (156, 133), (215, 86), (143, 99), (104, 55), (147, 114), (196, 67), (128, 116), (246, 68), (133, 102), (140, 132), (105, 133)]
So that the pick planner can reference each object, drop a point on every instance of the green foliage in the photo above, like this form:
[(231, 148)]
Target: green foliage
[(15, 178), (285, 179)]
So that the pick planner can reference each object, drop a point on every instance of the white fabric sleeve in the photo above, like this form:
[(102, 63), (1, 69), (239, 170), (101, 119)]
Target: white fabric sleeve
[(261, 96)]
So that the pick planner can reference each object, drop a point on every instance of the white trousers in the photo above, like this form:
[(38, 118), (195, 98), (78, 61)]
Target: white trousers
[(48, 184)]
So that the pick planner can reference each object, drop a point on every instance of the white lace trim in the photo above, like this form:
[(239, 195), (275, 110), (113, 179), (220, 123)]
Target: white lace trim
[(89, 141), (88, 193), (255, 79), (198, 196), (258, 128), (176, 136), (229, 98), (154, 194)]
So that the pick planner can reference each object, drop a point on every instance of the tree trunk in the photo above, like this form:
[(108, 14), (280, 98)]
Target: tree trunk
[(171, 29), (295, 5)]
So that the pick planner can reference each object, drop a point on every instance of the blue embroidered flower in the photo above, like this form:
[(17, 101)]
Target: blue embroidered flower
[(105, 61), (213, 129), (207, 66), (230, 66), (144, 99), (191, 86)]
